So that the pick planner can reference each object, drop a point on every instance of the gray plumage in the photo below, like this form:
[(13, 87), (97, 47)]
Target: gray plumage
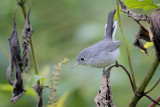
[(105, 52)]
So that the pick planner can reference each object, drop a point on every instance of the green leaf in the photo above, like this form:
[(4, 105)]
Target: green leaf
[(142, 4), (147, 45), (9, 88), (35, 78), (63, 98), (6, 87), (115, 16), (45, 72)]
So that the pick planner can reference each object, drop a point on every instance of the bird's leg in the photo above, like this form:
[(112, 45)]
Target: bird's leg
[(105, 72), (104, 69), (117, 64)]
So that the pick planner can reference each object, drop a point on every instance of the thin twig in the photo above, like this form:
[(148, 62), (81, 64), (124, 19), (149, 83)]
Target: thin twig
[(153, 86), (154, 101), (127, 47), (153, 104), (130, 79)]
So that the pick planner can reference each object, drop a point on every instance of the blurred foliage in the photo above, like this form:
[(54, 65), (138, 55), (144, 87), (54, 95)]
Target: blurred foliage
[(62, 29), (142, 4)]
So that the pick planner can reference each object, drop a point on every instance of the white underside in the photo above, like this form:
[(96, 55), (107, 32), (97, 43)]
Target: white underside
[(105, 60)]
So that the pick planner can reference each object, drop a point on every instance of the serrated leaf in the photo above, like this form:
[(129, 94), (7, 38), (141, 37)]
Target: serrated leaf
[(142, 4), (35, 78)]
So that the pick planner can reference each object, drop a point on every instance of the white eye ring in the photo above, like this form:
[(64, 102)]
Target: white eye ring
[(82, 59)]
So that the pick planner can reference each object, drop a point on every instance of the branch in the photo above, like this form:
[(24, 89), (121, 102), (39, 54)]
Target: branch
[(153, 104), (144, 83), (154, 101), (135, 16), (127, 47)]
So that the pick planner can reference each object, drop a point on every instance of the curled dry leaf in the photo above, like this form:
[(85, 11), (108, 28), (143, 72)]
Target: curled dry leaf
[(39, 90), (18, 87), (143, 33), (14, 53), (15, 61), (26, 35), (139, 43), (155, 31)]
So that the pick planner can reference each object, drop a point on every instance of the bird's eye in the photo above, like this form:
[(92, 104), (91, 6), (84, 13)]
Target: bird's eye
[(82, 59)]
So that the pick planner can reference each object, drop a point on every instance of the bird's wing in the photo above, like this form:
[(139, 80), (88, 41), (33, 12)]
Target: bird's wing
[(112, 46), (108, 47), (104, 46)]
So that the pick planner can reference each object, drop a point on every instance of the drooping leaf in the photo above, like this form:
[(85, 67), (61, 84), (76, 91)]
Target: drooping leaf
[(18, 88), (14, 47), (143, 33), (15, 62), (26, 35), (142, 4)]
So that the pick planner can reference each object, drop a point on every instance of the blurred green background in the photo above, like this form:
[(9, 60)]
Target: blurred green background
[(62, 29)]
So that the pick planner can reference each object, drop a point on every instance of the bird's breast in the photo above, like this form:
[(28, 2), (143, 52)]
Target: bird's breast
[(104, 59)]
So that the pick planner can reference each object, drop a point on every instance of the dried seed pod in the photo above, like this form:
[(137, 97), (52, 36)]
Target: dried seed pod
[(26, 35), (155, 31)]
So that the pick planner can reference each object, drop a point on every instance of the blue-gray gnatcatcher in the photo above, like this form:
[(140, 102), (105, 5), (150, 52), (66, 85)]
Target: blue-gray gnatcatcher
[(105, 52)]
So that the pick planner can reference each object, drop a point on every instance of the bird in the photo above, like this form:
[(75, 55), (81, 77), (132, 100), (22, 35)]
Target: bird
[(105, 52)]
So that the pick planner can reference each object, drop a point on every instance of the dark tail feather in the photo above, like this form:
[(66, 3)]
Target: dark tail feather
[(109, 28)]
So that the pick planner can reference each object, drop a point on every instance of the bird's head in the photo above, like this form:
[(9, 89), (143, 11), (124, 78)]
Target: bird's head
[(83, 57)]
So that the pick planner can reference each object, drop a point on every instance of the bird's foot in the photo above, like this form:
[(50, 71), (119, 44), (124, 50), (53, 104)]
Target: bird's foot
[(105, 72), (117, 64)]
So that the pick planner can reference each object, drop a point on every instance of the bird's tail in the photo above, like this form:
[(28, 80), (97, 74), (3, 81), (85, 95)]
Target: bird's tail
[(111, 26)]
